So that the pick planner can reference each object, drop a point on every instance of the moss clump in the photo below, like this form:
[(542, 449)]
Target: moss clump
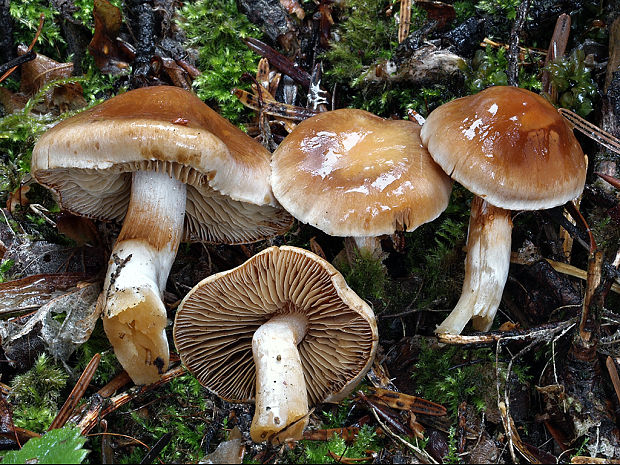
[(367, 35), (434, 251), (366, 275), (319, 451), (502, 8), (488, 68), (181, 408), (571, 78), (448, 376), (35, 395), (215, 28)]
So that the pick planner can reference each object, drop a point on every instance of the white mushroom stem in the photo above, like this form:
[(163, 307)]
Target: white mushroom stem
[(134, 316), (369, 244), (281, 398), (486, 268)]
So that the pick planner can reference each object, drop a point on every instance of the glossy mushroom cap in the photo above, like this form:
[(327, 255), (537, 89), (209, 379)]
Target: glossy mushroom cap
[(351, 173), (88, 159), (217, 320), (508, 146)]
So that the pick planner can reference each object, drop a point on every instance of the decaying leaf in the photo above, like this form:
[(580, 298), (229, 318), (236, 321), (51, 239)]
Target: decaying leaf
[(109, 56), (17, 197), (60, 338), (426, 65), (401, 401), (30, 293), (230, 451), (39, 72)]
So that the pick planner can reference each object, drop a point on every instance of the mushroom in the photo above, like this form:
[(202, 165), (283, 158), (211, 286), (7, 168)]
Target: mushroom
[(351, 173), (172, 169), (284, 329), (514, 151)]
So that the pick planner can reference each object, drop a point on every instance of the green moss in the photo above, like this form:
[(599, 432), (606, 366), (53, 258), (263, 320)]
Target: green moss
[(464, 10), (179, 408), (488, 68), (35, 394), (502, 8), (571, 78), (215, 28), (26, 21), (5, 268), (434, 251), (366, 275), (367, 35), (98, 343), (319, 451), (439, 377)]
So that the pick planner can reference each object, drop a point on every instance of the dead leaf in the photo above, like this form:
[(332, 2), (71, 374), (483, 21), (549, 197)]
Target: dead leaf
[(109, 56), (400, 401), (348, 434), (7, 428), (441, 12), (17, 197), (78, 228), (39, 72), (61, 338), (230, 451), (35, 291), (177, 74), (316, 248)]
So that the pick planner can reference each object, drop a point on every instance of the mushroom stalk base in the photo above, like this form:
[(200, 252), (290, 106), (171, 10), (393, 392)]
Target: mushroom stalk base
[(281, 398), (134, 316), (486, 268)]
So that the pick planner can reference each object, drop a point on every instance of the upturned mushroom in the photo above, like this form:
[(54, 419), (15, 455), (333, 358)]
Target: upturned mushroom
[(350, 173), (172, 169), (514, 151), (283, 329)]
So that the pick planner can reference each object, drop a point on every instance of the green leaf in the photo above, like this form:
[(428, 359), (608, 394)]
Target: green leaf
[(64, 445)]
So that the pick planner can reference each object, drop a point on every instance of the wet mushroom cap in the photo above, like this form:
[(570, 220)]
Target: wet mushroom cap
[(88, 160), (216, 321), (351, 173), (508, 146)]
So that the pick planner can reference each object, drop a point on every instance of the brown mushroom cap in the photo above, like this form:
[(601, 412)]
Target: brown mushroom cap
[(88, 159), (215, 323), (508, 146), (351, 173)]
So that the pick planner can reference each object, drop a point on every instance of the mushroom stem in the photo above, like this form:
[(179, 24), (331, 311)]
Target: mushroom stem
[(369, 244), (134, 316), (486, 268), (281, 396)]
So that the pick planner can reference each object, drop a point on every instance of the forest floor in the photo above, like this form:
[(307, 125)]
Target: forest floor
[(541, 386)]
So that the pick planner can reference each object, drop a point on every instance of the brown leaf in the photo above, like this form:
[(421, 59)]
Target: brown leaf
[(81, 230), (109, 56), (293, 7), (401, 401), (441, 12), (177, 74), (12, 102), (316, 248), (39, 72), (348, 433), (18, 197), (7, 428)]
